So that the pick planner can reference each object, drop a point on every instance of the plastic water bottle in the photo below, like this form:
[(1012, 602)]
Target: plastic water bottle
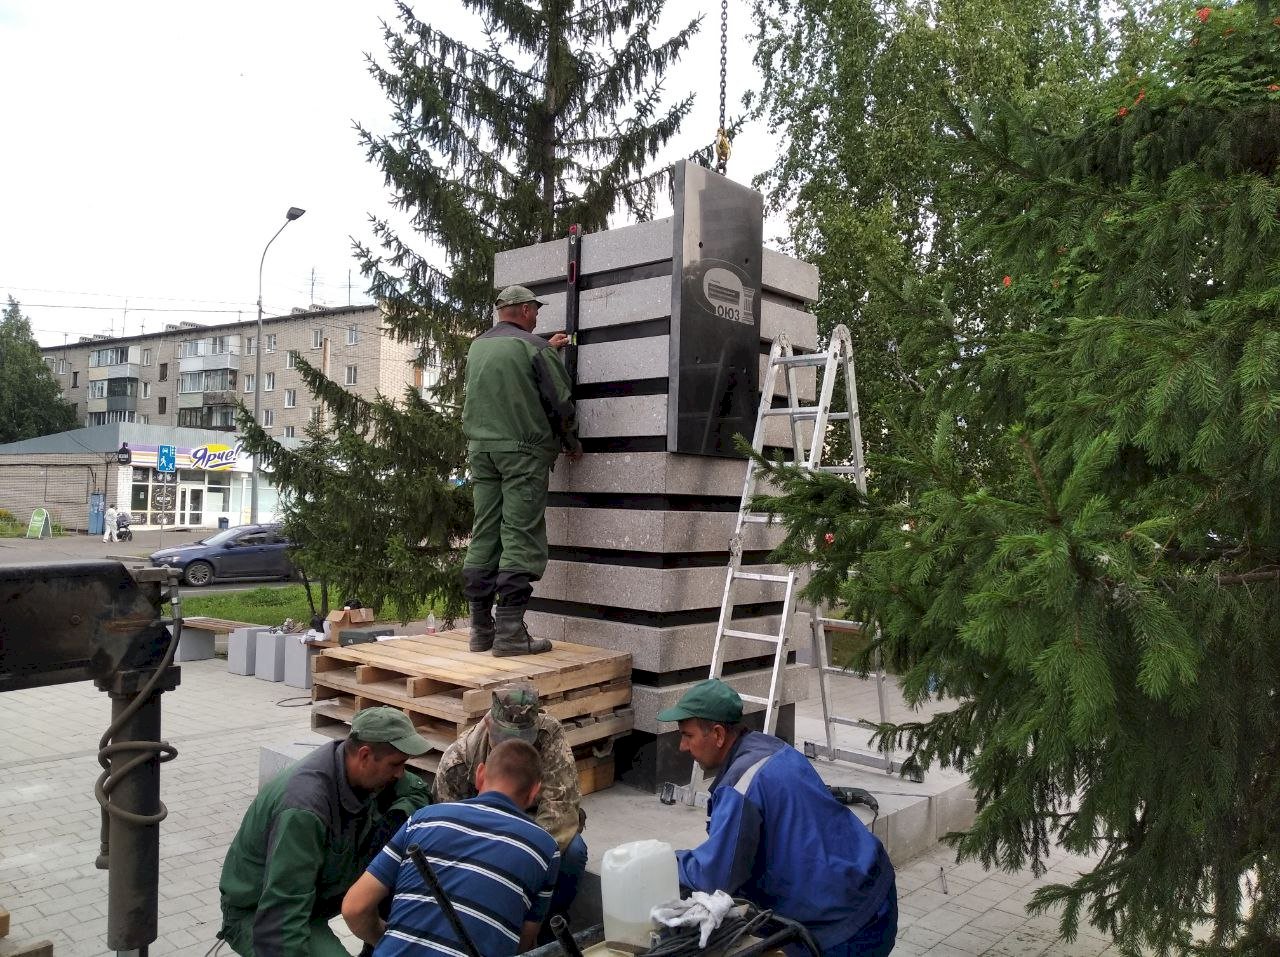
[(431, 623)]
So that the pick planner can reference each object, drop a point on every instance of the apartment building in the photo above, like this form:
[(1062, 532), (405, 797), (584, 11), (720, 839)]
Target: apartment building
[(191, 376)]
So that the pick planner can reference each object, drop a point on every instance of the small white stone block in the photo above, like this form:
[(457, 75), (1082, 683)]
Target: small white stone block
[(269, 656), (242, 646), (274, 758), (297, 662), (196, 644)]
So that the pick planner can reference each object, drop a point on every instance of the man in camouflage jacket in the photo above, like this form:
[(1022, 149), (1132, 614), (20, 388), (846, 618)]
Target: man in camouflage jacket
[(515, 714)]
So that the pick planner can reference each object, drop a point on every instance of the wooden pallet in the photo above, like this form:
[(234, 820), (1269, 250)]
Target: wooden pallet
[(594, 759), (436, 675), (445, 689)]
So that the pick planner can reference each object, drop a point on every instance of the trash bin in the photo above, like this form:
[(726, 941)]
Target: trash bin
[(224, 523)]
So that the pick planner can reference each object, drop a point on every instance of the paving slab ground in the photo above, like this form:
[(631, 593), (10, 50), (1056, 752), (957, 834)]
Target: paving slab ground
[(219, 722)]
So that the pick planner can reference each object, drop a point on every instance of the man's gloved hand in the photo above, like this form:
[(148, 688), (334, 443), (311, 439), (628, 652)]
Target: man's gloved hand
[(701, 910)]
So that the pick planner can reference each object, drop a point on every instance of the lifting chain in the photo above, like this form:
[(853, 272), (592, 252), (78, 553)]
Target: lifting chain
[(723, 146)]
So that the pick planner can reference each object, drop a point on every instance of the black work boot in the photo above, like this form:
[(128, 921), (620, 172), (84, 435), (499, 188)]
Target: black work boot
[(512, 637), (481, 626)]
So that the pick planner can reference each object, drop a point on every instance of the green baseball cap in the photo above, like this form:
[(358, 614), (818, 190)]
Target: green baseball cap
[(388, 726), (712, 700), (515, 296), (514, 713)]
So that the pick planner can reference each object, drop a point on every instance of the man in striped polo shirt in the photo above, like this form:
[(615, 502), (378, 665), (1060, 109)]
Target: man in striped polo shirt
[(495, 864)]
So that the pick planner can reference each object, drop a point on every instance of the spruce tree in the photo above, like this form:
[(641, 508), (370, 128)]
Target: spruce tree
[(557, 120), (861, 93), (1082, 553)]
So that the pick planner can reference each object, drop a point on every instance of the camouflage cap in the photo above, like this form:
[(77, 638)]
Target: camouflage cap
[(515, 296), (514, 713)]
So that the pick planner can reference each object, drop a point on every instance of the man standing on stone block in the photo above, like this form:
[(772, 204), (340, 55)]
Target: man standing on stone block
[(517, 415), (777, 837), (515, 714), (310, 833)]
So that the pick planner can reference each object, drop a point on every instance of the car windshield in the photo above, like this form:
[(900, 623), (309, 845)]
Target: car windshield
[(223, 536)]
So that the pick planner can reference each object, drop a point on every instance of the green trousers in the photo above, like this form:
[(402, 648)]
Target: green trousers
[(324, 942), (508, 550)]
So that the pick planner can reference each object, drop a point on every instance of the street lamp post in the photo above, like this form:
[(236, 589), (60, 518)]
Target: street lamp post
[(293, 213)]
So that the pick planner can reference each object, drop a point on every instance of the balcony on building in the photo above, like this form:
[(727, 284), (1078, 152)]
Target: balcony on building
[(212, 388), (114, 362), (220, 397), (219, 417), (122, 395), (212, 353), (124, 370)]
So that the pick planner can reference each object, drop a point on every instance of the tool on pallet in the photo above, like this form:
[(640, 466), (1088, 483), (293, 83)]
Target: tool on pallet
[(783, 360)]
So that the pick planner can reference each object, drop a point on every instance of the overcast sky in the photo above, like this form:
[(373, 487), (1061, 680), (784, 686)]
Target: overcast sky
[(151, 148)]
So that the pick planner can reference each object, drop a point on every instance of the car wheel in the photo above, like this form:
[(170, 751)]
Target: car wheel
[(198, 574)]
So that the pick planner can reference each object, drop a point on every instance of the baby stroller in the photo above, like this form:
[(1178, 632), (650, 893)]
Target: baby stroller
[(123, 521)]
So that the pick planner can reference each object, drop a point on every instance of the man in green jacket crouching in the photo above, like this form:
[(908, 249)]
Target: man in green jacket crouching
[(311, 832)]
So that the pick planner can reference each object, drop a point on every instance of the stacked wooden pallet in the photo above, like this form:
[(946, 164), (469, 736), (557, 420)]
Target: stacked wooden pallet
[(445, 689)]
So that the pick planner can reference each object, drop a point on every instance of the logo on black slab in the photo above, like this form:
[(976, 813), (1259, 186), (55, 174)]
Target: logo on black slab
[(722, 289)]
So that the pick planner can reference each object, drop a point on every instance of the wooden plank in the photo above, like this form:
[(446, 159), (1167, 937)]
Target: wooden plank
[(578, 732), (342, 710), (546, 680), (620, 723), (215, 624), (594, 773), (324, 663), (561, 653), (388, 655), (441, 706), (444, 695), (485, 666), (4, 922), (368, 674), (604, 700), (453, 650), (422, 685), (595, 777)]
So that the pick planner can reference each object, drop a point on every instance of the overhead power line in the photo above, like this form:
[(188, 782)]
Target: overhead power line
[(52, 305), (111, 295)]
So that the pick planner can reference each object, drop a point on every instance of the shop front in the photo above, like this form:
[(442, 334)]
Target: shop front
[(212, 482)]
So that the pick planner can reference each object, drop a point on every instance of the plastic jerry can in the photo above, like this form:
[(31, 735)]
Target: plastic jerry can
[(635, 878)]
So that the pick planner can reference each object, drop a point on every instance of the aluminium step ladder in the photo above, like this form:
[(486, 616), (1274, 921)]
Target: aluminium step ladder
[(783, 359)]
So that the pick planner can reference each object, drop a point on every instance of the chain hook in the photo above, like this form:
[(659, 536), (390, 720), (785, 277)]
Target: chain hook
[(723, 146)]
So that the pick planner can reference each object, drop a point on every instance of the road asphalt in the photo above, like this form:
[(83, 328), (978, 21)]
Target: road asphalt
[(75, 547)]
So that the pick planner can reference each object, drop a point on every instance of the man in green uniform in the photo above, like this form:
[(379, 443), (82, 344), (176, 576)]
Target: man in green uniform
[(517, 415), (311, 832)]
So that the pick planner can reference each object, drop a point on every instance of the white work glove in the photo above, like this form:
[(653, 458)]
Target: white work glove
[(704, 911)]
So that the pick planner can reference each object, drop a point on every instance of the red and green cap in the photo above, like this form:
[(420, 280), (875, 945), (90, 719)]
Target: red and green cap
[(711, 700)]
